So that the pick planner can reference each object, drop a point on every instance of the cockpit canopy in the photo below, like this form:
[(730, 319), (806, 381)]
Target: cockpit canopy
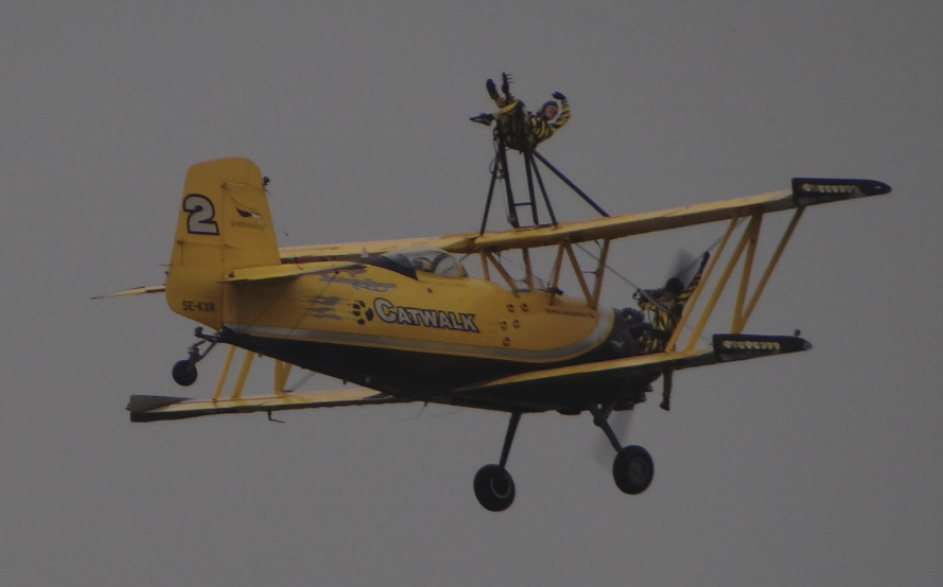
[(434, 261)]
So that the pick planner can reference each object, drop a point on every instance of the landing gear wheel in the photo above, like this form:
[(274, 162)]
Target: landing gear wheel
[(494, 488), (633, 470), (184, 372)]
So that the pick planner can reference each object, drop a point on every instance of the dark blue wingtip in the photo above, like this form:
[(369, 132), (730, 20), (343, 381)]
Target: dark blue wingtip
[(879, 188), (140, 406), (736, 347), (819, 190)]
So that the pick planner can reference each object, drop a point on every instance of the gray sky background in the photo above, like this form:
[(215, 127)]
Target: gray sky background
[(818, 469)]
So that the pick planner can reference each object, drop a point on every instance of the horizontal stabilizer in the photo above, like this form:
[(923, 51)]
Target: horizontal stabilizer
[(134, 291), (288, 270), (357, 250), (150, 408)]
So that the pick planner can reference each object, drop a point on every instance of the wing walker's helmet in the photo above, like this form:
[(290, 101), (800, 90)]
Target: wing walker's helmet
[(544, 108)]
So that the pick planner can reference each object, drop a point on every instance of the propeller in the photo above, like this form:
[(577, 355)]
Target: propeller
[(685, 266)]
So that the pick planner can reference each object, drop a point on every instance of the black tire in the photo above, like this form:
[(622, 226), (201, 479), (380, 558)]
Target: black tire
[(184, 372), (494, 488), (633, 470)]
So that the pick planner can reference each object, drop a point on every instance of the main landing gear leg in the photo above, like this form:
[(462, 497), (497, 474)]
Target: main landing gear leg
[(184, 371), (633, 468), (494, 486)]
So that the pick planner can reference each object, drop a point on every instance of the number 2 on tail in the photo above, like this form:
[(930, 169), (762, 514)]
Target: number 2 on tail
[(201, 214)]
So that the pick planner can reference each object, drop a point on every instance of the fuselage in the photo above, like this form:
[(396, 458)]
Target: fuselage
[(415, 334)]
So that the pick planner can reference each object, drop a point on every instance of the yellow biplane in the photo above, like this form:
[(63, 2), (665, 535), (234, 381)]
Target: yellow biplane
[(403, 321)]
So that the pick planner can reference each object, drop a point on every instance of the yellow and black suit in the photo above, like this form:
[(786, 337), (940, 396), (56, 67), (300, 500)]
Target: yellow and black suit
[(666, 314), (540, 129), (525, 130)]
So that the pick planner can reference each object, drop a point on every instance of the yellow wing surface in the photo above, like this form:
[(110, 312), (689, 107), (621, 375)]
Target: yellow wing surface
[(286, 271), (804, 192), (149, 408), (725, 348), (264, 273), (532, 391)]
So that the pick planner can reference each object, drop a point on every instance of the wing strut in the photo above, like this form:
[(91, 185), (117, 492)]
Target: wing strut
[(745, 301)]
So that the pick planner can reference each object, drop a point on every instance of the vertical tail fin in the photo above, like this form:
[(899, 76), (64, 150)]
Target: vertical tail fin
[(224, 224)]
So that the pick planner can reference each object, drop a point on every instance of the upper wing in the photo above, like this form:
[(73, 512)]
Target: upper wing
[(804, 192)]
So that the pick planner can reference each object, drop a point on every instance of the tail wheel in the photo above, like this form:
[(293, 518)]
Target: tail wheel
[(633, 470), (184, 372), (494, 488)]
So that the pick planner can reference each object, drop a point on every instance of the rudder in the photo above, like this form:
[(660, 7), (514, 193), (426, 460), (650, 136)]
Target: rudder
[(224, 224)]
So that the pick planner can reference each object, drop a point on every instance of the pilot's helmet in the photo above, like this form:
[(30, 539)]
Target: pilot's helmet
[(422, 264), (674, 286)]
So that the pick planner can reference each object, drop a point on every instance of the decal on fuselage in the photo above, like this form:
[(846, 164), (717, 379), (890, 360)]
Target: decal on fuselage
[(425, 317), (194, 306), (323, 307), (248, 218), (367, 283)]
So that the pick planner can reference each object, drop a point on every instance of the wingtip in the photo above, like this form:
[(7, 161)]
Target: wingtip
[(141, 405), (820, 190), (735, 347)]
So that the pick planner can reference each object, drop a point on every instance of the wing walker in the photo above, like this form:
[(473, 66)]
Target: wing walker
[(405, 321)]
